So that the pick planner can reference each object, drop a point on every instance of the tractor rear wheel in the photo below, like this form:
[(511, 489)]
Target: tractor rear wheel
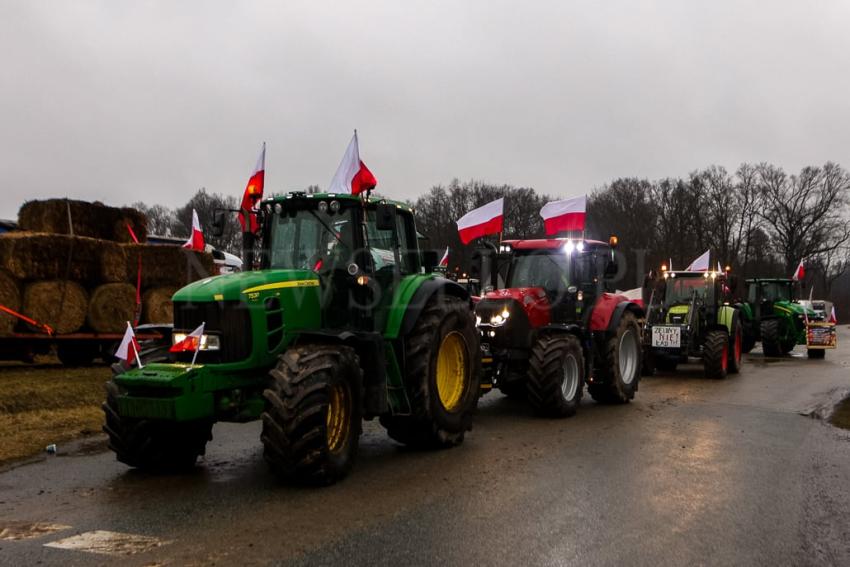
[(736, 349), (442, 376), (311, 426), (556, 375), (770, 342), (715, 354), (616, 379), (816, 353), (152, 445)]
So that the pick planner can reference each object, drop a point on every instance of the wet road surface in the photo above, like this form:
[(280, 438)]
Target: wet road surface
[(693, 471)]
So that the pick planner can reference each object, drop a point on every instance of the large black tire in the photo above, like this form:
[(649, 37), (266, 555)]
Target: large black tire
[(312, 424), (715, 354), (736, 349), (770, 342), (618, 369), (816, 353), (150, 444), (556, 375), (788, 346), (445, 331), (77, 353)]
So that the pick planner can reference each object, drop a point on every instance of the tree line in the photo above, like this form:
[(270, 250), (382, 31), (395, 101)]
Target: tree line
[(759, 219)]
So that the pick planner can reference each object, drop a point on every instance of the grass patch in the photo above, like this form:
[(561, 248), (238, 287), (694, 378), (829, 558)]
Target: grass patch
[(47, 403)]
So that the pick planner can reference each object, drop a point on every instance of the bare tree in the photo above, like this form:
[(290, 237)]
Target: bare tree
[(205, 204), (160, 219), (806, 214)]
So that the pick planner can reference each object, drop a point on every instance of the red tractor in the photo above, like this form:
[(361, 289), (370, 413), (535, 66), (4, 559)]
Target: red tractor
[(556, 326)]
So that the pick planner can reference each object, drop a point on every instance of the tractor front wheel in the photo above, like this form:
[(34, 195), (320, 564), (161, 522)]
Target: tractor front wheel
[(770, 341), (736, 349), (618, 374), (153, 445), (311, 426), (556, 375), (442, 376), (715, 354)]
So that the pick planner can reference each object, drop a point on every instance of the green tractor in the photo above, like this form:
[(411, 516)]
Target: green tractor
[(689, 317), (343, 321), (772, 315)]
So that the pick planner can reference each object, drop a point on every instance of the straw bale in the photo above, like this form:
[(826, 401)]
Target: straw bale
[(110, 307), (157, 307), (94, 220), (10, 296), (44, 302)]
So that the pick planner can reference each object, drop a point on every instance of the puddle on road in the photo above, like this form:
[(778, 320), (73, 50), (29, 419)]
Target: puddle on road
[(109, 543), (14, 531), (841, 415)]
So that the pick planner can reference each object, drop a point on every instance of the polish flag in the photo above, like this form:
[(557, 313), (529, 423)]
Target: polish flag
[(352, 176), (444, 261), (192, 342), (700, 264), (832, 317), (128, 350), (196, 240), (799, 273), (564, 215), (253, 194), (482, 221)]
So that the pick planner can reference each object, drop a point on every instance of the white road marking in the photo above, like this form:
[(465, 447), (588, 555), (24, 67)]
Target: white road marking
[(13, 531), (108, 543)]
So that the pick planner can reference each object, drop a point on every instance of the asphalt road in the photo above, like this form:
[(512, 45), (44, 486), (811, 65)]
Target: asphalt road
[(738, 472)]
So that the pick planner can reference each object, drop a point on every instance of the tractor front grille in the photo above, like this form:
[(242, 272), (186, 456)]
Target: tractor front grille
[(230, 319)]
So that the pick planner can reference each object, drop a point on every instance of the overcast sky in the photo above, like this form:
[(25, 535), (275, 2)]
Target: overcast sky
[(126, 101)]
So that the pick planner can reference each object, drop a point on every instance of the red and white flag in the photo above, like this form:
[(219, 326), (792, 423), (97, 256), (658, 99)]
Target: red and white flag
[(482, 221), (253, 194), (352, 176), (700, 264), (128, 350), (799, 273), (444, 261), (832, 317), (192, 342), (564, 215), (196, 239)]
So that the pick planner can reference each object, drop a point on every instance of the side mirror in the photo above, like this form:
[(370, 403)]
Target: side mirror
[(429, 260), (385, 216), (219, 220)]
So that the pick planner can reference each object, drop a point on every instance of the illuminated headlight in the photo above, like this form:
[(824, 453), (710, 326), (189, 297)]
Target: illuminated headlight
[(208, 342), (569, 247), (504, 248), (500, 319), (580, 246)]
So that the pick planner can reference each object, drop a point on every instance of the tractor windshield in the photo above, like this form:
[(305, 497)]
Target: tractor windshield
[(681, 290), (775, 291), (549, 271), (312, 240)]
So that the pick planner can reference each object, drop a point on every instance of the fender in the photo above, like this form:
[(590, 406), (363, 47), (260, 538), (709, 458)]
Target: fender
[(617, 315), (608, 311), (420, 299)]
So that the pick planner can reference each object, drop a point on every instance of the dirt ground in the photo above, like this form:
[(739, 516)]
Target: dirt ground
[(46, 403)]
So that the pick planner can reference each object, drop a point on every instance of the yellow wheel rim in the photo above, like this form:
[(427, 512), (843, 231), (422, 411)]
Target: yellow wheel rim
[(451, 370), (338, 417)]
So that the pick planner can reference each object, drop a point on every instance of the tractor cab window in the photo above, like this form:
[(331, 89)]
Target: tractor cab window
[(681, 290), (776, 291), (549, 271), (312, 240), (382, 245)]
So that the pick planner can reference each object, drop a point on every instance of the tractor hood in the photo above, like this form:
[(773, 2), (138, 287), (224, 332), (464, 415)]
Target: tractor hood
[(235, 287), (793, 308)]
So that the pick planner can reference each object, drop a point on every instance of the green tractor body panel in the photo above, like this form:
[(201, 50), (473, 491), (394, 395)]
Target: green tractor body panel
[(772, 298), (726, 317), (398, 303)]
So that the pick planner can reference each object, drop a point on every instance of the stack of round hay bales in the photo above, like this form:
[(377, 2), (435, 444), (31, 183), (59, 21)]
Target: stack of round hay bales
[(81, 275)]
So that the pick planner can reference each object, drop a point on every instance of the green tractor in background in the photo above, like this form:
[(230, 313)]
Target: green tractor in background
[(689, 316), (771, 315), (343, 321)]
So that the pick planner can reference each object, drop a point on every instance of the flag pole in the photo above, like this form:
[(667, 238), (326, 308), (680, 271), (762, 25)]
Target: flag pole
[(135, 350), (197, 348)]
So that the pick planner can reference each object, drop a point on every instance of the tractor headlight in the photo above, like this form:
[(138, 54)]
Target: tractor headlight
[(208, 342), (500, 318)]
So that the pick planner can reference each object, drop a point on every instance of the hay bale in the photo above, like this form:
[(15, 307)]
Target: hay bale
[(94, 220), (164, 265), (110, 307), (10, 296), (43, 301), (39, 256), (157, 307)]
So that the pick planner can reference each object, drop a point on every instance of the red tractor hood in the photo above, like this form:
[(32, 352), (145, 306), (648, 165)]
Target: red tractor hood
[(533, 301)]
